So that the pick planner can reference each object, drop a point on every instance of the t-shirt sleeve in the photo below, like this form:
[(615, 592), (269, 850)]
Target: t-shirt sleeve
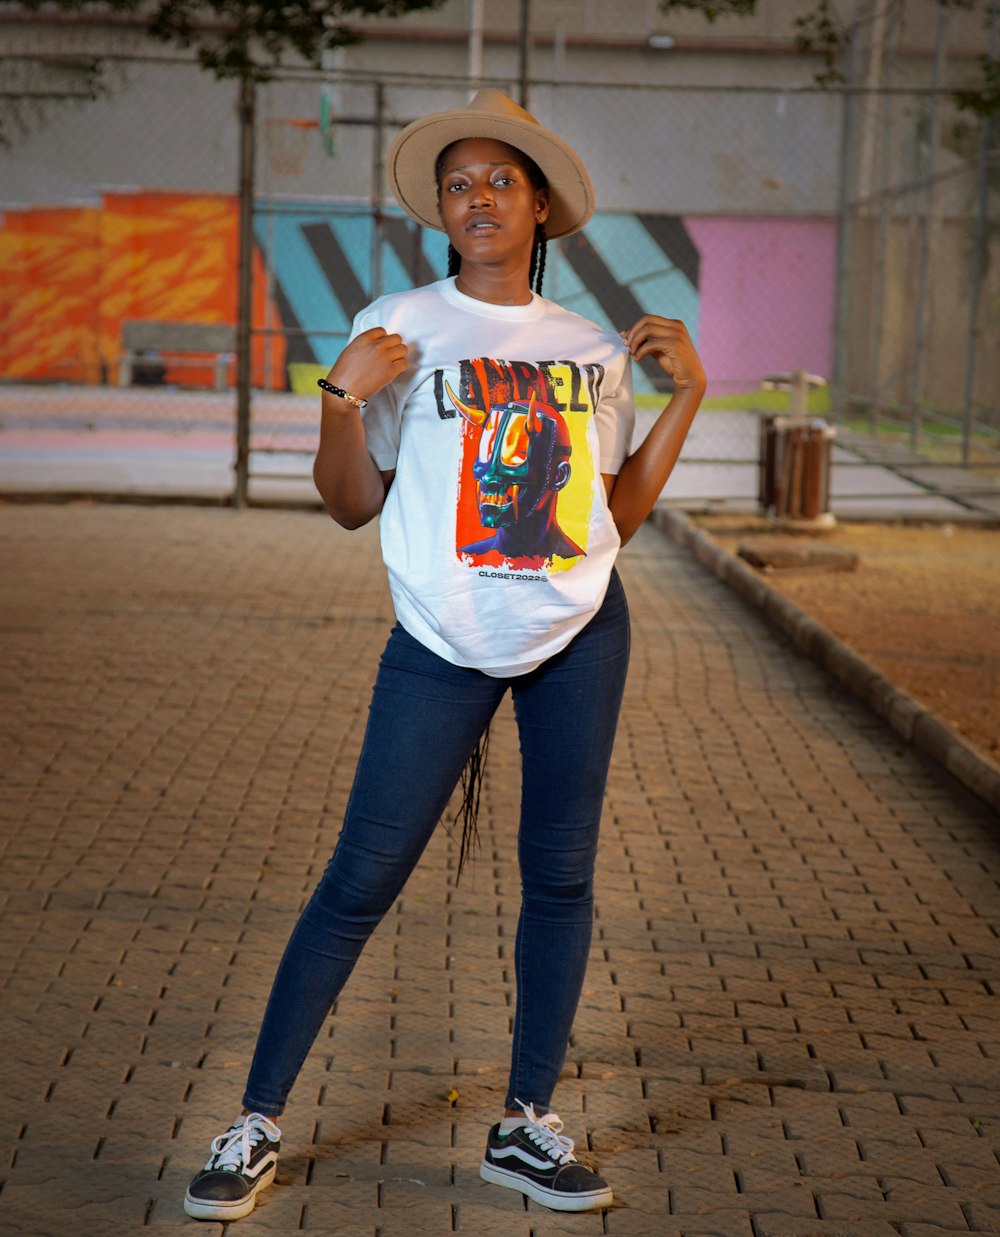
[(380, 417), (615, 416)]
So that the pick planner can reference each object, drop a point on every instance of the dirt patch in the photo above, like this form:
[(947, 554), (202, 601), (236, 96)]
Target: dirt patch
[(923, 606)]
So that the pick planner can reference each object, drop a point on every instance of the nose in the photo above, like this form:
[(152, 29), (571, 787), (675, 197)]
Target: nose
[(481, 194)]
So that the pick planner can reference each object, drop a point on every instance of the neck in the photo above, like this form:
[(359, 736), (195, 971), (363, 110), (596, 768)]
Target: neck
[(495, 284)]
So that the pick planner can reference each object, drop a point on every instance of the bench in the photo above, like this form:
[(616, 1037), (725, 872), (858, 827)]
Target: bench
[(145, 342)]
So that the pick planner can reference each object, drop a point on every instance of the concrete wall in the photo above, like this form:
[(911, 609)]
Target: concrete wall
[(723, 136)]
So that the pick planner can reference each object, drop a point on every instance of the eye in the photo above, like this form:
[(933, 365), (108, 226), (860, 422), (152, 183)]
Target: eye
[(515, 446)]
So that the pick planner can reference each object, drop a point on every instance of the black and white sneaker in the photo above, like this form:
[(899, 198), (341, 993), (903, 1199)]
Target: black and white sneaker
[(537, 1159), (242, 1163)]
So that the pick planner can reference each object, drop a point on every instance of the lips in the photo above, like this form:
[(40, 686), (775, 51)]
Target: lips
[(480, 225)]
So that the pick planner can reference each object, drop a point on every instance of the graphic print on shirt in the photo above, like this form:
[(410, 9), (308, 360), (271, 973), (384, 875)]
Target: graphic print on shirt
[(527, 474)]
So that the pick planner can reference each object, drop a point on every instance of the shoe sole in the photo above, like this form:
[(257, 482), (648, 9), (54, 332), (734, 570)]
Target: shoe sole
[(590, 1200), (202, 1209)]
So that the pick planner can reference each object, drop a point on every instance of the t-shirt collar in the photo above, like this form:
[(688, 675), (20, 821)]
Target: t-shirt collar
[(534, 309)]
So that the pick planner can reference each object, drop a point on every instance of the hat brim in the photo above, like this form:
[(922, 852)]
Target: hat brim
[(414, 153)]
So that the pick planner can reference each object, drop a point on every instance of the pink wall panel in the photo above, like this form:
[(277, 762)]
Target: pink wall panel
[(767, 297)]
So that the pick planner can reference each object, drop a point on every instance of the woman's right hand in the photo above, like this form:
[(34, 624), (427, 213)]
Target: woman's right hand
[(350, 484), (369, 362)]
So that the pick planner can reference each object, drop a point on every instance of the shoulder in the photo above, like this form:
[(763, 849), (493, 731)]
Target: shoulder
[(591, 335), (399, 307)]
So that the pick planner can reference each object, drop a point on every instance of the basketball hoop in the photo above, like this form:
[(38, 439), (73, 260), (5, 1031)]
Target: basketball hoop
[(287, 139)]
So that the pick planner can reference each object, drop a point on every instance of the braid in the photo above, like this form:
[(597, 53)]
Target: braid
[(472, 789), (538, 256), (454, 260)]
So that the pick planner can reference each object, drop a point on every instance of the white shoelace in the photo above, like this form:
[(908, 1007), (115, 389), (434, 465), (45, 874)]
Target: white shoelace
[(546, 1133), (232, 1151)]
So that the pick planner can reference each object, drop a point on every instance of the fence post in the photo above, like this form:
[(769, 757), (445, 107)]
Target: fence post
[(798, 395), (887, 105), (245, 289), (930, 203), (524, 55), (978, 259), (378, 214), (842, 319)]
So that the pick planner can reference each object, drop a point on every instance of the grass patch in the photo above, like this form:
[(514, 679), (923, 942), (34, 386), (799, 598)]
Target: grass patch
[(897, 431), (817, 403), (940, 443)]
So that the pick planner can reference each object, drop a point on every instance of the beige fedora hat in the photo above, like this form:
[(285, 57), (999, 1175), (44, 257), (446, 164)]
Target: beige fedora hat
[(493, 114)]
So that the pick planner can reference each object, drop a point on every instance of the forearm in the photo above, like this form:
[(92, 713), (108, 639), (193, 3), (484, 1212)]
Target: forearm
[(346, 476), (645, 472)]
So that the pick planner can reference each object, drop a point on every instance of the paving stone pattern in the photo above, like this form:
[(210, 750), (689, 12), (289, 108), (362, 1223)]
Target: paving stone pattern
[(789, 1026)]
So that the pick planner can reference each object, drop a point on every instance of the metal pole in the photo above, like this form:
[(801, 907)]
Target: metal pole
[(920, 324), (978, 251), (881, 256), (270, 322), (869, 103), (475, 43), (377, 197), (842, 320), (525, 52), (247, 103)]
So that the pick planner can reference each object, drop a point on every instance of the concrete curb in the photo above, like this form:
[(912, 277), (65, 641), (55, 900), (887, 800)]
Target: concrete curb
[(912, 721)]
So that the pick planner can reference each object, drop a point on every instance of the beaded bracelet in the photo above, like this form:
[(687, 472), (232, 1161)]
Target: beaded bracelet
[(351, 399)]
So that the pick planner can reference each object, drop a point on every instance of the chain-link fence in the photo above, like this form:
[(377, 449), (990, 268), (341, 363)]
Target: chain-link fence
[(920, 284), (736, 235), (847, 233), (688, 225)]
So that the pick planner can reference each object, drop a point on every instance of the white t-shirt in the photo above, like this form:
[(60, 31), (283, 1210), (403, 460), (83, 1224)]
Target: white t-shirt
[(496, 531)]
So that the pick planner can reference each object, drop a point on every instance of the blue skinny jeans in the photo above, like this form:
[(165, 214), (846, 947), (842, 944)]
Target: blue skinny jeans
[(425, 718)]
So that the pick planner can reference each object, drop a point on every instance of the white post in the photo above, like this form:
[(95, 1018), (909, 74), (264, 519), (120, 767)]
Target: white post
[(797, 403), (524, 55), (475, 43)]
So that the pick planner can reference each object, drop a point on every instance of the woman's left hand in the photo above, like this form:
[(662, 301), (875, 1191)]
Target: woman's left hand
[(667, 341)]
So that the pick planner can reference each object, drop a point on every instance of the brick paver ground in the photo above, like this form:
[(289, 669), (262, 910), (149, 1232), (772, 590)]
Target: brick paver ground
[(789, 1026)]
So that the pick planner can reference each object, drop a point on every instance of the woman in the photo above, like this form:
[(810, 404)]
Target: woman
[(489, 429)]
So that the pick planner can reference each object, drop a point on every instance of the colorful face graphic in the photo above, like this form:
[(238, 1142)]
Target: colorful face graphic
[(521, 464), (514, 469)]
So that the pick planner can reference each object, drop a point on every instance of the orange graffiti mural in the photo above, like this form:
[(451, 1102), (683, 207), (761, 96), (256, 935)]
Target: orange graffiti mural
[(70, 276)]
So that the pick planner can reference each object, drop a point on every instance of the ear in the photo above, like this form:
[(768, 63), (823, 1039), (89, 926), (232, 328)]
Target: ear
[(541, 205)]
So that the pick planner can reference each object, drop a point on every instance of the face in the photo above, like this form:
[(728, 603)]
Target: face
[(522, 454), (488, 205)]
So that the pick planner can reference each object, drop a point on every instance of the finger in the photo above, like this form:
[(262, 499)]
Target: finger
[(643, 345), (644, 321), (650, 322), (663, 355), (667, 330)]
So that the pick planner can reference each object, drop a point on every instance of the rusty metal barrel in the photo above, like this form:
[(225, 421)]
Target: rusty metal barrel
[(795, 459)]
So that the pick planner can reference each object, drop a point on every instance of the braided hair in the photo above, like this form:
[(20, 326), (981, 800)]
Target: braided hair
[(536, 178), (539, 252)]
